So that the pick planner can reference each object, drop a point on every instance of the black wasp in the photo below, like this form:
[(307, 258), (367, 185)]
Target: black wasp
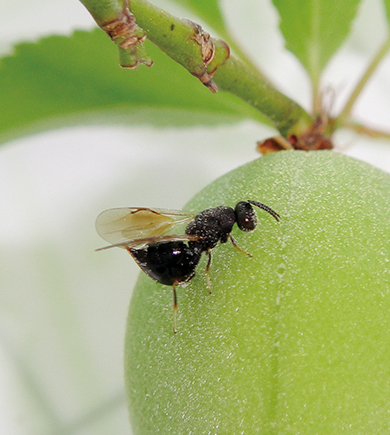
[(171, 259)]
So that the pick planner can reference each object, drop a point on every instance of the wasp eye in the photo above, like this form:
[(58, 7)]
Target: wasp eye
[(245, 216)]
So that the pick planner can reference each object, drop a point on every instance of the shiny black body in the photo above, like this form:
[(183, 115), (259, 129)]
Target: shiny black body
[(168, 262), (173, 263)]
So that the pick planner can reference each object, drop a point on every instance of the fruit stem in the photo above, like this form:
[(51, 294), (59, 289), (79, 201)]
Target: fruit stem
[(317, 97)]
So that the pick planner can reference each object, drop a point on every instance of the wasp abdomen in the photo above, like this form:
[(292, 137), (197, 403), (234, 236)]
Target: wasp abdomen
[(168, 263)]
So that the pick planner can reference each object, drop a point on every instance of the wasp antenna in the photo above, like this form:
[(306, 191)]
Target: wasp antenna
[(265, 208)]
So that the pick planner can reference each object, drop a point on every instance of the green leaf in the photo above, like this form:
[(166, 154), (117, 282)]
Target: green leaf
[(209, 11), (315, 29), (72, 80), (387, 7)]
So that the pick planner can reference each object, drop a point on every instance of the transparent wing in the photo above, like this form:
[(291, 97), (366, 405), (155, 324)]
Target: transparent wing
[(132, 226), (141, 243)]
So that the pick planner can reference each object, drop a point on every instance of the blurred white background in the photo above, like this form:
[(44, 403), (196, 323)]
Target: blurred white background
[(63, 306)]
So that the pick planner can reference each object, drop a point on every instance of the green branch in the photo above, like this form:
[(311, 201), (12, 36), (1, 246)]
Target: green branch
[(209, 59), (287, 116)]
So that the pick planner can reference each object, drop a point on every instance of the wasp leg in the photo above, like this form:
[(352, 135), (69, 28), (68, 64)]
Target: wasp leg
[(237, 247), (208, 252), (174, 307)]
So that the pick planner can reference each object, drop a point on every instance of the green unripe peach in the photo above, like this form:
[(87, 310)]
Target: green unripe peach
[(296, 339)]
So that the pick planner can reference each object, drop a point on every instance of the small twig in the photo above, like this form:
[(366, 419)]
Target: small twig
[(346, 112), (371, 132)]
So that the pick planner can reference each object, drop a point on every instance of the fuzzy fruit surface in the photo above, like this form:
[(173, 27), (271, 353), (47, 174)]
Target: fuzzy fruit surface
[(295, 339)]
